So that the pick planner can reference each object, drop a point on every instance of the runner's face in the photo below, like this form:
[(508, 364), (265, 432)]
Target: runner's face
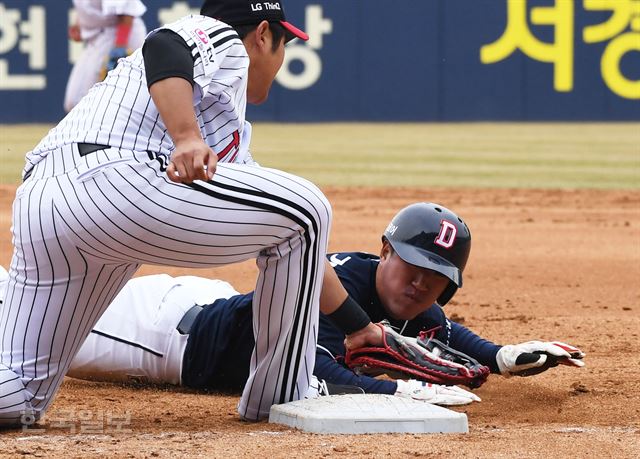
[(404, 289)]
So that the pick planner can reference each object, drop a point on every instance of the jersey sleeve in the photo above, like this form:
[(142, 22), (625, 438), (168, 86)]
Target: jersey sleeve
[(466, 341), (212, 43), (332, 371), (356, 273), (457, 336)]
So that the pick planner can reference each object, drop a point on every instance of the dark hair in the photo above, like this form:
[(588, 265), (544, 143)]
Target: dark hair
[(391, 250), (277, 31)]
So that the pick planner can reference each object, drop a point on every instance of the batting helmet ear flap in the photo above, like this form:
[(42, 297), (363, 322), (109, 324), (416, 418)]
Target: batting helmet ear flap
[(447, 294)]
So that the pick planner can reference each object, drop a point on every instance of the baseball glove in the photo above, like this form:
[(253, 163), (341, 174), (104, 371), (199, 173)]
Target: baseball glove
[(402, 357)]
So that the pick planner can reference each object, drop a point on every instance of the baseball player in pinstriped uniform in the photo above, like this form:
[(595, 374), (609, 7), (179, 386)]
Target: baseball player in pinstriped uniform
[(127, 178), (108, 28)]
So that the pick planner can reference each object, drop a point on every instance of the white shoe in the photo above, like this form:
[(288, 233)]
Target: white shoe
[(314, 388), (4, 281)]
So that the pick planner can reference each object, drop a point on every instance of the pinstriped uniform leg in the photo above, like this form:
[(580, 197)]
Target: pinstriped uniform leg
[(14, 408), (56, 293), (81, 234), (286, 308), (245, 212)]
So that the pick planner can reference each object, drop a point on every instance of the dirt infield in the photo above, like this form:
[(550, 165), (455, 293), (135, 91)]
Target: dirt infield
[(545, 264)]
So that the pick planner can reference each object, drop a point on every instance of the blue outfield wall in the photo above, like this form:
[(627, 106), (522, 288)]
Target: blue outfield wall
[(386, 60)]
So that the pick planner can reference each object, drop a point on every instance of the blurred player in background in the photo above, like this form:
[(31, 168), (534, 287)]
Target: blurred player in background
[(110, 30)]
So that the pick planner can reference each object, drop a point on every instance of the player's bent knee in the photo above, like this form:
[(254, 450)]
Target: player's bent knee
[(321, 209), (15, 410)]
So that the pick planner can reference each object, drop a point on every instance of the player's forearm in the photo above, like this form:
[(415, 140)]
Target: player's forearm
[(466, 341), (173, 98), (333, 293), (345, 312)]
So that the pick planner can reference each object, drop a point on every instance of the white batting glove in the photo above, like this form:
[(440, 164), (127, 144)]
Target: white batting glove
[(434, 393), (533, 357)]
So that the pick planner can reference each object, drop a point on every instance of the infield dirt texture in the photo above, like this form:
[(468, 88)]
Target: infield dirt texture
[(554, 211)]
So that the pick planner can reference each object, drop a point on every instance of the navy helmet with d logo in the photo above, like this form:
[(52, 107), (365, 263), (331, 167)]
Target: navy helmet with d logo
[(431, 236)]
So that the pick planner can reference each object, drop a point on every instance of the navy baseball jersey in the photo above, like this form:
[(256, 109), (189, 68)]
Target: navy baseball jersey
[(218, 352)]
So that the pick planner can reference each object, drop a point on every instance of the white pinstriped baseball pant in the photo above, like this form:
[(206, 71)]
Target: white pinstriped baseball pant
[(83, 225)]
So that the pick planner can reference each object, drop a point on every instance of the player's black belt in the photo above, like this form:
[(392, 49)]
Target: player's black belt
[(87, 148), (187, 321)]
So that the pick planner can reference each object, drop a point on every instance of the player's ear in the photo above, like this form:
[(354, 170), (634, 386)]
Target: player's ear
[(262, 35), (386, 250)]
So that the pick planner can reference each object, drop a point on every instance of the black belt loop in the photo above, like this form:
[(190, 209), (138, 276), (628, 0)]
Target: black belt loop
[(84, 149), (87, 148), (185, 324)]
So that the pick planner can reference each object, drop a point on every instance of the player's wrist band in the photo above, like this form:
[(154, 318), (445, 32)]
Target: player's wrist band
[(122, 35), (349, 317)]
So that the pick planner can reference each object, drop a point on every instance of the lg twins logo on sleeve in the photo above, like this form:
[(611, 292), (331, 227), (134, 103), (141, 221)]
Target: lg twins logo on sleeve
[(205, 48), (202, 35), (447, 235)]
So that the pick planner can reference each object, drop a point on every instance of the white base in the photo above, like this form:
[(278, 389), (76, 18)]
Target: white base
[(367, 413)]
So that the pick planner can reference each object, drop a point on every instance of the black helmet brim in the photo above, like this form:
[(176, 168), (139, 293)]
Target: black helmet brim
[(425, 259)]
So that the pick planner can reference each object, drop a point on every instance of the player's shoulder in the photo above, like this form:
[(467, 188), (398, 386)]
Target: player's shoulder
[(192, 19), (355, 268), (352, 258), (202, 28)]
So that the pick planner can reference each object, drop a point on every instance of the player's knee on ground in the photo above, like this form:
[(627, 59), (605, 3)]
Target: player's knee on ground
[(15, 411)]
